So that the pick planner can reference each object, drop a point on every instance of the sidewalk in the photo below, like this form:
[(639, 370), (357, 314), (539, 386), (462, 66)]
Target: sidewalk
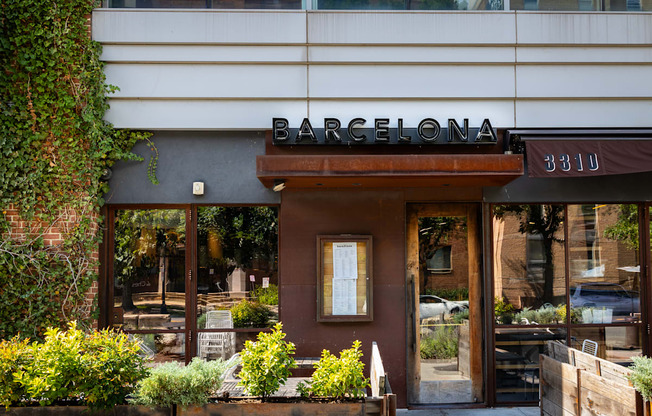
[(498, 411)]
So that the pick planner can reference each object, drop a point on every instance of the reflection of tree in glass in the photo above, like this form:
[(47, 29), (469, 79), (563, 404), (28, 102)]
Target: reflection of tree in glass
[(143, 239), (625, 229), (435, 233), (244, 232), (542, 220)]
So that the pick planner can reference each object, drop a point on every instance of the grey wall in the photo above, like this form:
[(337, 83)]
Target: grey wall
[(224, 161), (614, 188)]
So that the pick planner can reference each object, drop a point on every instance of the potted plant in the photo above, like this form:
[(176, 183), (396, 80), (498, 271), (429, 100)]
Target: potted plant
[(641, 379)]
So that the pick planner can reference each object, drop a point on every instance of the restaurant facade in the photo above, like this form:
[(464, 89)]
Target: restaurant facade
[(458, 186)]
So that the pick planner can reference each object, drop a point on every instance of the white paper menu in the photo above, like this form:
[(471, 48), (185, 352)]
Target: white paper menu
[(345, 276)]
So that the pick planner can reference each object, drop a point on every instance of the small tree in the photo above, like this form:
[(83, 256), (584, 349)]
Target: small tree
[(266, 363)]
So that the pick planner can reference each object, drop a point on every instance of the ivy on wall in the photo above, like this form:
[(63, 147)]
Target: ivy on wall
[(54, 148)]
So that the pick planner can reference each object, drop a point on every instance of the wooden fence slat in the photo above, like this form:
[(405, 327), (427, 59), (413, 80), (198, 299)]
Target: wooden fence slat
[(592, 386), (558, 383), (551, 409), (610, 389)]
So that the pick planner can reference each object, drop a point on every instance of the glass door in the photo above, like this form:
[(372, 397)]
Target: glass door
[(446, 324)]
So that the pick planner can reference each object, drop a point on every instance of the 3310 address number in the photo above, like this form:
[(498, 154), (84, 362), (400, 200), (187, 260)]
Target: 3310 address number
[(566, 162)]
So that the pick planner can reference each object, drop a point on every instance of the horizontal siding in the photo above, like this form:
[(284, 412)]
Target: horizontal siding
[(500, 112), (419, 81), (559, 81), (208, 81), (584, 113), (235, 70)]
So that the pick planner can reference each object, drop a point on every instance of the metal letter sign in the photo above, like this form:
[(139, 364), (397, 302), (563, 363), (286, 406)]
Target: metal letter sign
[(355, 132)]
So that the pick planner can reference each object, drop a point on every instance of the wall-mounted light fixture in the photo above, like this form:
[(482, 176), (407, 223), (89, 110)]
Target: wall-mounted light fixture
[(279, 185), (198, 188)]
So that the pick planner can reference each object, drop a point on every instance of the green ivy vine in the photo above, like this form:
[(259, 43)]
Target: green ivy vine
[(54, 148)]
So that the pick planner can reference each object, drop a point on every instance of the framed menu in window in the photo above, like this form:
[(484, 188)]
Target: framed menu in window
[(344, 289)]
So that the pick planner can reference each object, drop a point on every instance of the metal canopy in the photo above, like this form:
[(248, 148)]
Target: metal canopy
[(388, 171)]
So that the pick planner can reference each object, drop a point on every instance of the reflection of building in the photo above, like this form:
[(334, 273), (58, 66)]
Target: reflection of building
[(209, 84)]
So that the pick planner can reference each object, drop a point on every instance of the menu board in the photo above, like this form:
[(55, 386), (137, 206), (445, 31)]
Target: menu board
[(344, 278)]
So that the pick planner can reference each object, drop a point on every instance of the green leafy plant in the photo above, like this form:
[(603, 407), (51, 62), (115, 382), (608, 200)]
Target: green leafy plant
[(266, 363), (337, 378), (14, 354), (641, 376), (267, 295), (247, 314), (504, 311), (175, 384), (459, 317), (55, 147), (450, 294), (442, 344), (97, 369)]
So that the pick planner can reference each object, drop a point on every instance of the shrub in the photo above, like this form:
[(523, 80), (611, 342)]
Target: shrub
[(14, 354), (97, 369), (641, 376), (175, 384), (266, 363), (267, 295), (337, 378), (248, 314), (450, 294), (442, 344)]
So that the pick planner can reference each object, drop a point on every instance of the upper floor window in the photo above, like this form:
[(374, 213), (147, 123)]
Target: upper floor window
[(543, 5)]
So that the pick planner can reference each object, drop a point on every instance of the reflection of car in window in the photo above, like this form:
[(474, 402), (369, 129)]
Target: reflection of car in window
[(606, 295), (431, 306)]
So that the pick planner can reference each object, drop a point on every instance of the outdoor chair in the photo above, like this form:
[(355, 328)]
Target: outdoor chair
[(217, 343)]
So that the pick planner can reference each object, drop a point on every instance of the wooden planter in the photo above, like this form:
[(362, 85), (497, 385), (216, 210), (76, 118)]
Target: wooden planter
[(276, 409), (123, 410), (574, 383)]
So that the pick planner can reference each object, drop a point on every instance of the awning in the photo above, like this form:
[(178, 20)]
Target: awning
[(374, 171), (553, 153), (568, 157)]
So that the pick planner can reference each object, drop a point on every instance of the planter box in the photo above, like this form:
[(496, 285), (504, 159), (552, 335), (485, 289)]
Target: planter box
[(276, 409), (123, 410), (574, 383)]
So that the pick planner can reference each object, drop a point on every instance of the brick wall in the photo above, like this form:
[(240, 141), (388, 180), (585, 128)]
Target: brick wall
[(54, 235)]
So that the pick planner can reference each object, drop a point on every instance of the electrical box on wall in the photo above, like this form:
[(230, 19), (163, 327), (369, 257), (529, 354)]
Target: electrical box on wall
[(198, 188)]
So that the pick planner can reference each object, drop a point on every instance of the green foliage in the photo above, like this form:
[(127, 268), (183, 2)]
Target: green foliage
[(442, 344), (247, 314), (625, 229), (175, 384), (54, 148), (244, 232), (460, 316), (641, 377), (267, 295), (337, 377), (266, 363), (502, 307), (97, 369), (14, 354), (450, 294)]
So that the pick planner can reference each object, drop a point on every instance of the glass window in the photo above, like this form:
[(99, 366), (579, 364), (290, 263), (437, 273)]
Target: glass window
[(517, 361), (205, 4), (529, 265), (237, 276), (617, 344), (149, 265), (604, 267)]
